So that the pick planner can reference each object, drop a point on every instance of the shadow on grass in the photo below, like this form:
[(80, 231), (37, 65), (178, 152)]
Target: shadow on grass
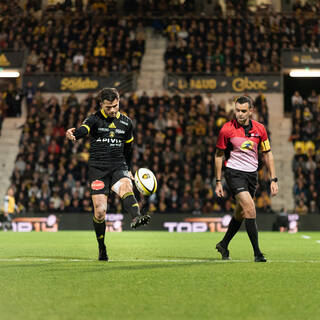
[(114, 266), (95, 265)]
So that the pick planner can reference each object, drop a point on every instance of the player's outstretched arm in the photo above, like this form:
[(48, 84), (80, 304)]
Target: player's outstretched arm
[(70, 134), (74, 134)]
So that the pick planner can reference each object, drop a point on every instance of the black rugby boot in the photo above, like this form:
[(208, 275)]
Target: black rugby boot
[(223, 251), (103, 256), (140, 221), (260, 258)]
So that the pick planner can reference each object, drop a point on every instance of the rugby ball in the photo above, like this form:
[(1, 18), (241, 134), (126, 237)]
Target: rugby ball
[(145, 181)]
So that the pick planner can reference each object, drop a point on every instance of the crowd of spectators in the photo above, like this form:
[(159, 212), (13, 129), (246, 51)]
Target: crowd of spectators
[(178, 145), (60, 40), (306, 7), (235, 44), (70, 37), (305, 137)]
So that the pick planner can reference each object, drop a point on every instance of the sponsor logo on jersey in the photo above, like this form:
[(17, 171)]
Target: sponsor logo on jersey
[(125, 123), (112, 126), (97, 185), (111, 135), (247, 145), (103, 129), (109, 140), (120, 131)]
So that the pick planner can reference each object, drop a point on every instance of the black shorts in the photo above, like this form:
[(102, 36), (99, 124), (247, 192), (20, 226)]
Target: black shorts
[(101, 179), (239, 181)]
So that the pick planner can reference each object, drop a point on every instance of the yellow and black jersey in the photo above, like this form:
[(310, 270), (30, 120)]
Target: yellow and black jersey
[(9, 205), (109, 139)]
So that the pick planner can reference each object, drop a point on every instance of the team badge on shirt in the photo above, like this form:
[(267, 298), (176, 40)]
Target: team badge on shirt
[(247, 145)]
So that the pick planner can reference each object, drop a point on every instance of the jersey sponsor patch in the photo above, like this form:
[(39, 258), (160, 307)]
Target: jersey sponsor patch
[(97, 185)]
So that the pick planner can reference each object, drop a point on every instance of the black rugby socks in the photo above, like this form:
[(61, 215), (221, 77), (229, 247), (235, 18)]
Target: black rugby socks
[(130, 204), (233, 228), (252, 231), (100, 229)]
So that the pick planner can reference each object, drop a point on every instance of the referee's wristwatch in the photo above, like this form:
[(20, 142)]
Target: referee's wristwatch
[(275, 179)]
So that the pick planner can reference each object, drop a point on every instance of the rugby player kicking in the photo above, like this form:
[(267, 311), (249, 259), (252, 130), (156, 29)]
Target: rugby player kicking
[(111, 136)]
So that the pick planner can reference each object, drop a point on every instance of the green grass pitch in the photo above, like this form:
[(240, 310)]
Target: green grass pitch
[(158, 275)]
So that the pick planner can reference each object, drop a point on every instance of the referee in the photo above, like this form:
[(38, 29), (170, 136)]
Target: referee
[(111, 136), (239, 141)]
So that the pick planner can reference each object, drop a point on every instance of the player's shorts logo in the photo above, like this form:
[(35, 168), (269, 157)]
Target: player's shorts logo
[(247, 145), (97, 185)]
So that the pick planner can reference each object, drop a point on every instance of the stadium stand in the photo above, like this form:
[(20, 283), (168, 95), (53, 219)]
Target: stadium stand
[(232, 45), (86, 42), (51, 173), (305, 137)]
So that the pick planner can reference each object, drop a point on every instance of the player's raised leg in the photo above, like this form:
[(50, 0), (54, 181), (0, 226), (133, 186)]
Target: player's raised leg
[(99, 223), (130, 204), (249, 211)]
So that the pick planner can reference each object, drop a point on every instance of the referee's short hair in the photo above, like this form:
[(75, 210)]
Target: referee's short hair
[(109, 94), (245, 99)]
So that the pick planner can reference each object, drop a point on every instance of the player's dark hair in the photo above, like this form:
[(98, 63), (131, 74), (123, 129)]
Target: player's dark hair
[(245, 99), (109, 94)]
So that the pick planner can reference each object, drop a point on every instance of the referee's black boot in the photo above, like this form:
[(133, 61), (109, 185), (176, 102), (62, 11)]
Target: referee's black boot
[(260, 258), (140, 221), (224, 251), (103, 256)]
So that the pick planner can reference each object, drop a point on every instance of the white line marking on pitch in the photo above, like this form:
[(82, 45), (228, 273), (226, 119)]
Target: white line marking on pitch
[(305, 237), (150, 260), (44, 260), (318, 241), (178, 260)]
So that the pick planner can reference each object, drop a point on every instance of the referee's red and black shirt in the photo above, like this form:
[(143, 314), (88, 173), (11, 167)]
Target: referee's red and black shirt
[(243, 148)]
